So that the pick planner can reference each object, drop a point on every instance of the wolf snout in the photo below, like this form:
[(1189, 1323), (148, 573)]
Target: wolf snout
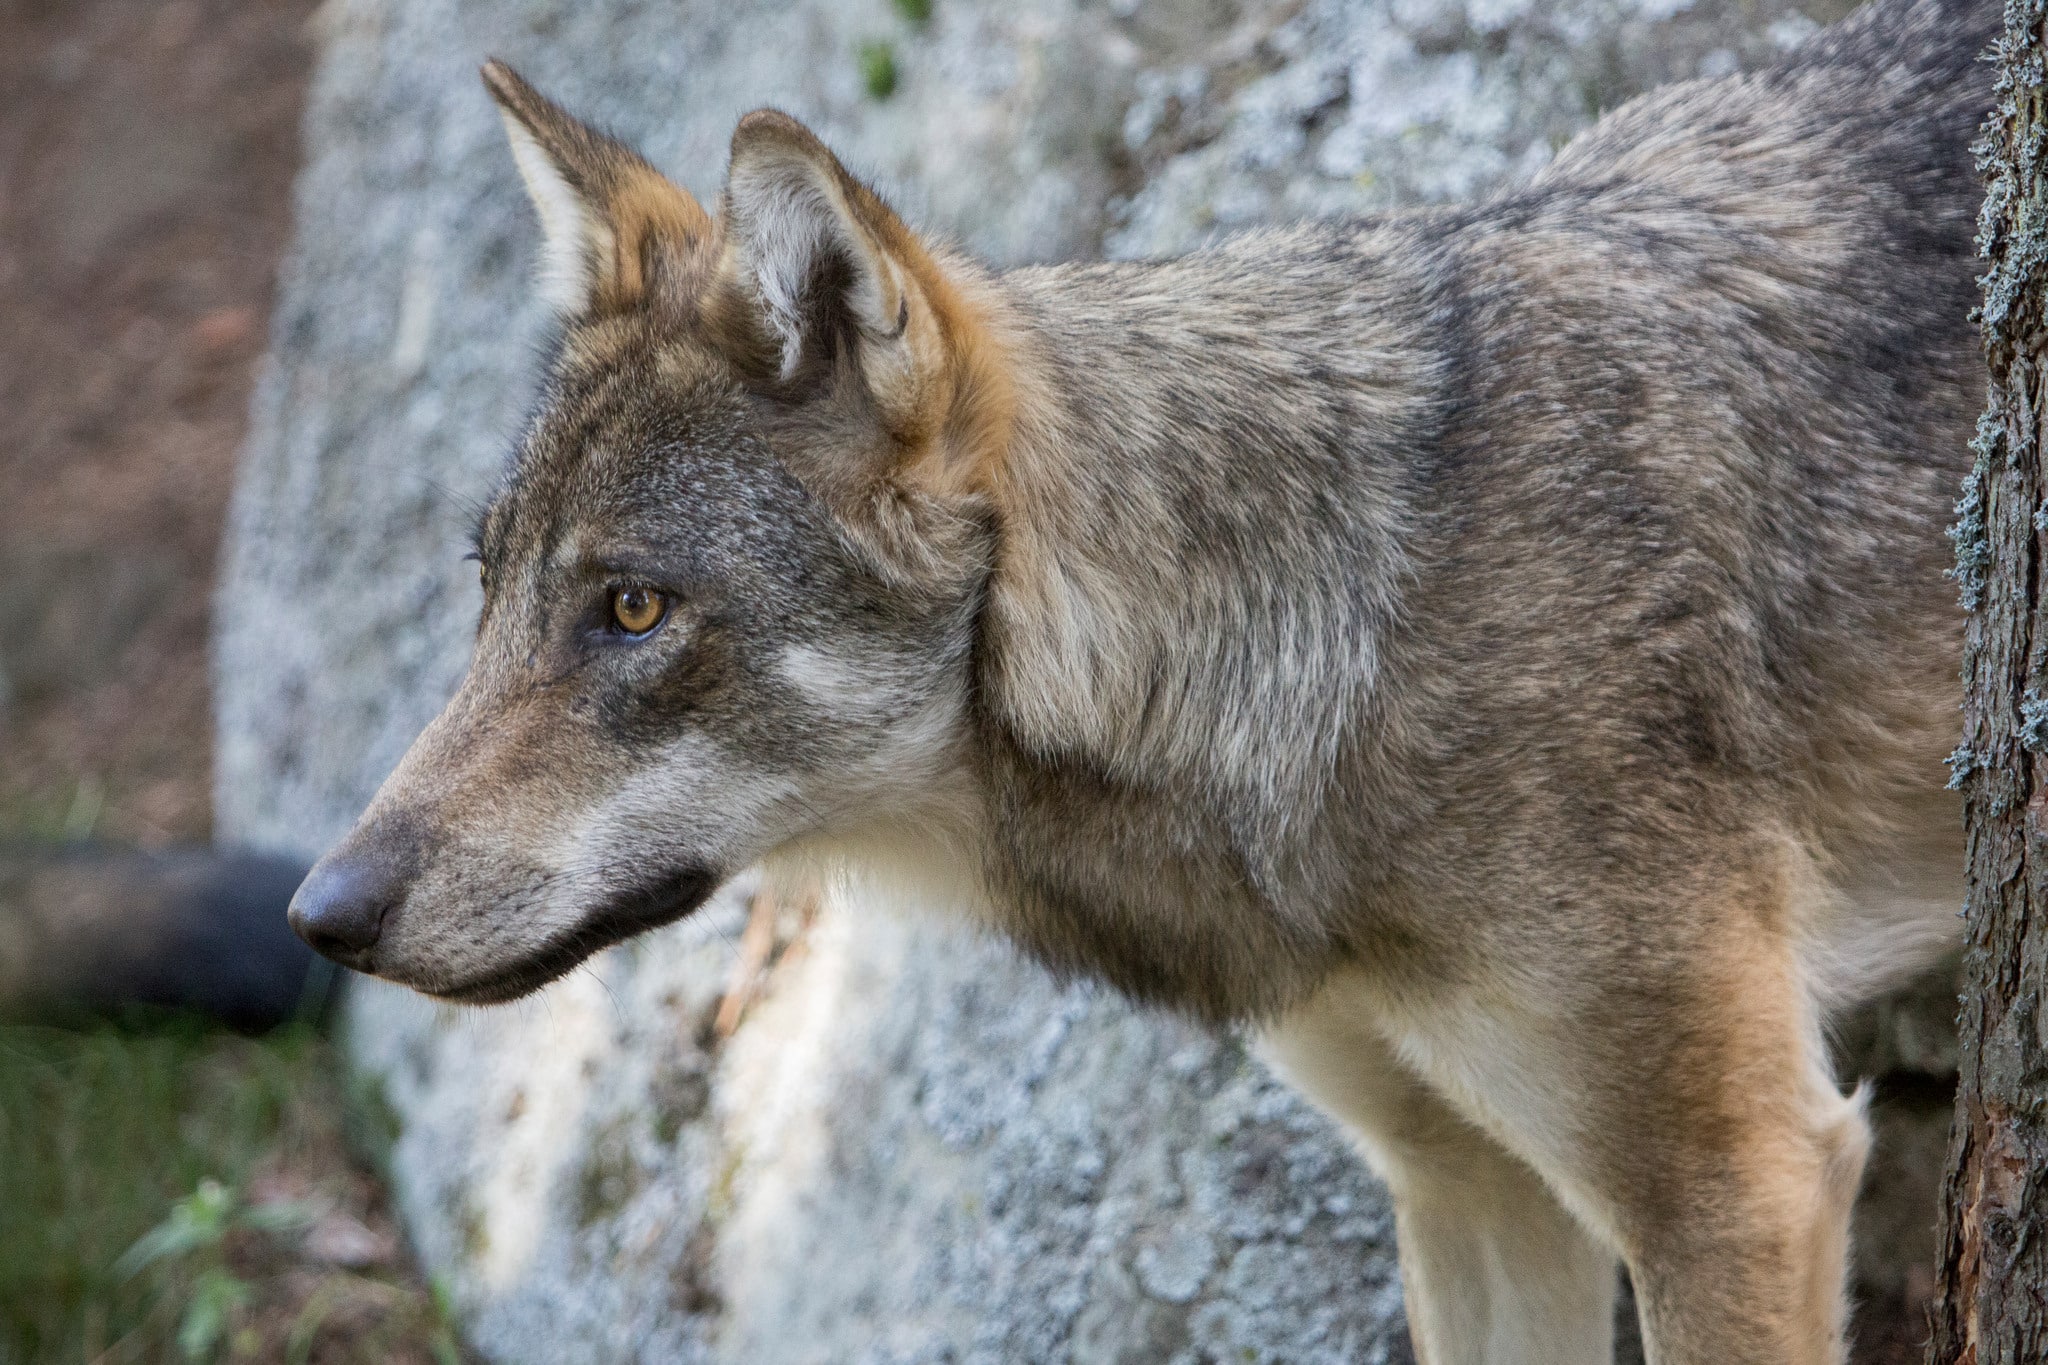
[(341, 907)]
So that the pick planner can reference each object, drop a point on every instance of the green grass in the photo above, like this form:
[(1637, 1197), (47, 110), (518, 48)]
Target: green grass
[(109, 1134)]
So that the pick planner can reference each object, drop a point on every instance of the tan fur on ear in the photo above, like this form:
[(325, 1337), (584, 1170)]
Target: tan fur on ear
[(928, 351), (607, 215)]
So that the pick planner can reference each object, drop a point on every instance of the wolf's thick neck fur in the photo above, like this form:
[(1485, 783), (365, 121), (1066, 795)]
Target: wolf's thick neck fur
[(1205, 513)]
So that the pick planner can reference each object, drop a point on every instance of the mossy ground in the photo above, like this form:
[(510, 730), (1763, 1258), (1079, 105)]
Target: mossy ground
[(110, 1133)]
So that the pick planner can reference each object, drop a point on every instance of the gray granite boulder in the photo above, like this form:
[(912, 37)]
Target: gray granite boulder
[(912, 1147)]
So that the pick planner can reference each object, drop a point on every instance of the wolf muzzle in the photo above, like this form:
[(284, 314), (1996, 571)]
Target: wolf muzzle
[(362, 906)]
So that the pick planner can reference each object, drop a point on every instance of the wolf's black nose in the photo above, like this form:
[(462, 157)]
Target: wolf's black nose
[(341, 905)]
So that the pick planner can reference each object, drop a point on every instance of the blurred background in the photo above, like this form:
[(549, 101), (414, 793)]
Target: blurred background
[(264, 337), (147, 152)]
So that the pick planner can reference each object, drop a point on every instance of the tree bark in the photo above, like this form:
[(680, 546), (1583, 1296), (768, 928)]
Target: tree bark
[(1993, 1254)]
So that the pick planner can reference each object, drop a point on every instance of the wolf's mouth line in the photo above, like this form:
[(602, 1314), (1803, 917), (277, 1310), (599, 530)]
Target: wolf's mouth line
[(674, 899)]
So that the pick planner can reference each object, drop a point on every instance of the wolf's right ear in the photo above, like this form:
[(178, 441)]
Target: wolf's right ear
[(610, 220), (836, 283)]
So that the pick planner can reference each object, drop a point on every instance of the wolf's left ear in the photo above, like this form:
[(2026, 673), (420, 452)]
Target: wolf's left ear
[(610, 220), (828, 265)]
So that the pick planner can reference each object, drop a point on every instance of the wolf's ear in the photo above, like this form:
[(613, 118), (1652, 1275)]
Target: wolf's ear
[(610, 220), (827, 265)]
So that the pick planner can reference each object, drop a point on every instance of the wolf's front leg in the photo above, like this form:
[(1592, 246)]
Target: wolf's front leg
[(1734, 1189), (1672, 1087), (1495, 1271)]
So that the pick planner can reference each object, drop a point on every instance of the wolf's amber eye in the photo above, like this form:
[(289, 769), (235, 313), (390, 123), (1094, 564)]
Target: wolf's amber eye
[(636, 609)]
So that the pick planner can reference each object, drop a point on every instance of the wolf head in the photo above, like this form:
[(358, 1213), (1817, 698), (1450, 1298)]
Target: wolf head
[(729, 579)]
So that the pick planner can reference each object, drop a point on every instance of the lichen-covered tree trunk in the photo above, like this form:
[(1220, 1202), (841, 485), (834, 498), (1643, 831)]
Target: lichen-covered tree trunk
[(1994, 1225)]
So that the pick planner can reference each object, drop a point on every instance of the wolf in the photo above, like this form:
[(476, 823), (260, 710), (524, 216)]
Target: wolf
[(1499, 656)]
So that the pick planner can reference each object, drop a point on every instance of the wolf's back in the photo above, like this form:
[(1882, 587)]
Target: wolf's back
[(1937, 41), (1884, 102)]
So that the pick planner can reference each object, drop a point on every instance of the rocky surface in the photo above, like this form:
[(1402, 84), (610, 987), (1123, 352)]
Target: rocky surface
[(911, 1147), (911, 1150)]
